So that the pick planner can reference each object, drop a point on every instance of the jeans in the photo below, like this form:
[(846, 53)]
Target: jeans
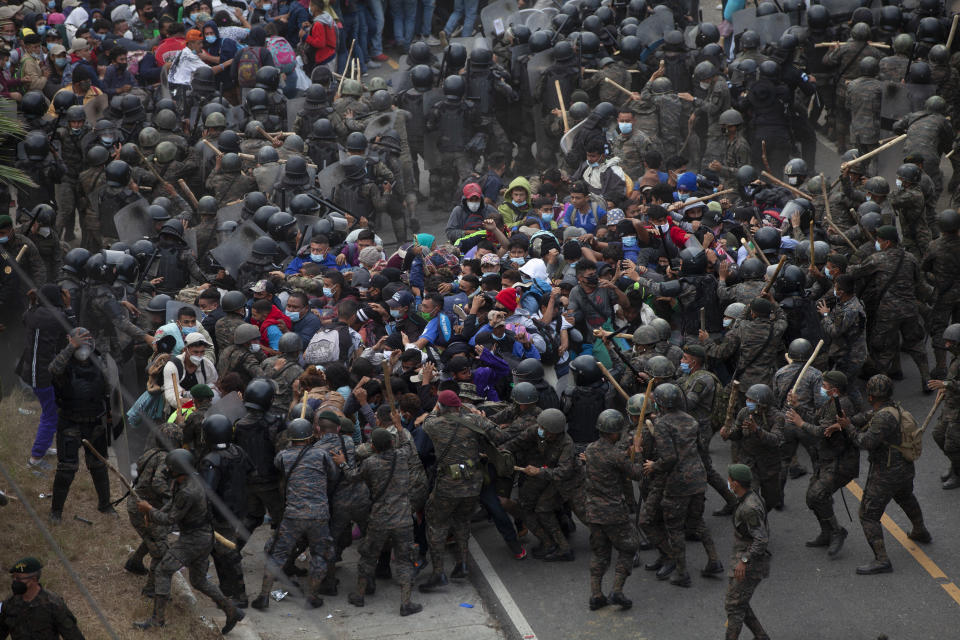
[(375, 23), (427, 23), (490, 501), (466, 10), (354, 29), (47, 429), (404, 21)]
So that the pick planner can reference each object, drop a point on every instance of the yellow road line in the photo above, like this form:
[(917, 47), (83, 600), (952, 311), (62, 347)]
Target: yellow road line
[(393, 64), (918, 554)]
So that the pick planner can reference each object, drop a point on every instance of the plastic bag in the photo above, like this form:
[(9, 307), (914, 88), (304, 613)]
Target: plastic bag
[(303, 80)]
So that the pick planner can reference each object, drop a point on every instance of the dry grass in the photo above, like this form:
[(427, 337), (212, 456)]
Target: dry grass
[(96, 552)]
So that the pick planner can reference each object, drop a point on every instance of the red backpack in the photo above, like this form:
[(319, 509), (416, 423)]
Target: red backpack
[(247, 63)]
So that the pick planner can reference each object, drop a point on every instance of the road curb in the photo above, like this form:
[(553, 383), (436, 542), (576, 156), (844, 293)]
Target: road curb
[(495, 595)]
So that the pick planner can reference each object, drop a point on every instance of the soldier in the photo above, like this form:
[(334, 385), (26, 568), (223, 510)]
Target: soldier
[(242, 355), (175, 265), (947, 432), (893, 283), (227, 182), (630, 144), (908, 206), (308, 471), (584, 401), (19, 274), (564, 71), (42, 167), (644, 340), (118, 192), (234, 306), (846, 58), (893, 68), (322, 146), (456, 437), (677, 435), (751, 282), (929, 134), (548, 457), (863, 98), (750, 554), (455, 121), (73, 156), (736, 150), (32, 611), (387, 476), (256, 433), (102, 313), (294, 180), (805, 402), (166, 123), (758, 428), (189, 510), (664, 347), (757, 339), (607, 467), (283, 369), (359, 193), (941, 261), (882, 433), (712, 99), (837, 459), (315, 106), (224, 470)]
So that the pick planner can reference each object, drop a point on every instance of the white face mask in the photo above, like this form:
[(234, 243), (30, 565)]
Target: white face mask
[(899, 183), (196, 360), (792, 180), (473, 206), (704, 85)]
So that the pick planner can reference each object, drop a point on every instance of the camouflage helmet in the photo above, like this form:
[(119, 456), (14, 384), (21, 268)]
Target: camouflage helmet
[(646, 335), (880, 386), (735, 310), (552, 420), (662, 327), (761, 394), (903, 44), (948, 221), (877, 186), (860, 32), (376, 84), (165, 152), (635, 404), (661, 85), (935, 104), (179, 462), (148, 138), (660, 367), (668, 396), (215, 120), (611, 421), (952, 333), (165, 119), (524, 393), (351, 88)]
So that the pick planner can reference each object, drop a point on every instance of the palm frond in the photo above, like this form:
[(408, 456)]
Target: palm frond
[(10, 127)]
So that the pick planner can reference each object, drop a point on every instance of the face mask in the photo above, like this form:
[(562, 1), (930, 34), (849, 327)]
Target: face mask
[(547, 217), (729, 487), (328, 292), (521, 203), (254, 347), (594, 164), (498, 338), (625, 127), (727, 322), (78, 130), (425, 315), (704, 85), (188, 330), (684, 367), (52, 4), (664, 228), (293, 315), (868, 197), (210, 39), (267, 7), (4, 239), (107, 140), (749, 190), (540, 431), (19, 587), (826, 272), (792, 180), (44, 231), (318, 257), (196, 360), (395, 313), (751, 405), (899, 183), (473, 206), (148, 16), (83, 353), (518, 261), (629, 241), (823, 393), (876, 245)]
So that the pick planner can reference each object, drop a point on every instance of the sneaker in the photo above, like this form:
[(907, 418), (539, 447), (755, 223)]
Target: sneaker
[(52, 451), (521, 554), (381, 57), (40, 465), (373, 64), (431, 41)]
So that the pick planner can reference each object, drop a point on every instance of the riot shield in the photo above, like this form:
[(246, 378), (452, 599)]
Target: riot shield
[(294, 107), (496, 16), (230, 406), (380, 124), (900, 99), (430, 153), (653, 27), (96, 108), (769, 28), (190, 237), (536, 65), (174, 306), (235, 117), (266, 176), (133, 222), (566, 142), (231, 212), (329, 178), (238, 247), (840, 10), (516, 53)]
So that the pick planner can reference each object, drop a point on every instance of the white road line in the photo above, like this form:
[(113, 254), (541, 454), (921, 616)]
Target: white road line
[(517, 619)]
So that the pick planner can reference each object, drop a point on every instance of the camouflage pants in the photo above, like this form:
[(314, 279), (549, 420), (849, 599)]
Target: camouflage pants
[(737, 605), (191, 550), (289, 533), (342, 517), (603, 539), (944, 311), (893, 333), (400, 540), (154, 537), (540, 504), (445, 177), (651, 519), (768, 480), (714, 479), (883, 486), (445, 514), (227, 563), (824, 482), (947, 436), (682, 514), (66, 195)]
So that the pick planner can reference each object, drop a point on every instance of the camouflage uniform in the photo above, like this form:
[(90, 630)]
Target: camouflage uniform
[(349, 497), (153, 485), (402, 440), (736, 153), (742, 292), (760, 450), (838, 461), (847, 59), (751, 537), (631, 149), (716, 101), (227, 187), (284, 378), (930, 135), (606, 92), (863, 102), (91, 181), (947, 432), (942, 261), (240, 360), (700, 390), (224, 330), (844, 327), (893, 68), (256, 433), (670, 351), (908, 205), (758, 341), (46, 616), (106, 319), (607, 515), (630, 383), (808, 393)]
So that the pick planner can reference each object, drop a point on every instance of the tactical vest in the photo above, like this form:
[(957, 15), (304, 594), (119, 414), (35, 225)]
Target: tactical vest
[(586, 403), (452, 133), (232, 486), (480, 90), (168, 268), (81, 390), (252, 434), (350, 196)]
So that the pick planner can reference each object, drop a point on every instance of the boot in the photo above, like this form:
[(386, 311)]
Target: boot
[(459, 571), (668, 567), (713, 568), (823, 539), (61, 487), (328, 586), (947, 474), (434, 582), (880, 563), (134, 563), (837, 536), (952, 482), (101, 483), (681, 580), (656, 564), (234, 615), (726, 510), (157, 620), (408, 608), (314, 600), (920, 534), (541, 551), (356, 598), (560, 555), (598, 602), (621, 600), (262, 601)]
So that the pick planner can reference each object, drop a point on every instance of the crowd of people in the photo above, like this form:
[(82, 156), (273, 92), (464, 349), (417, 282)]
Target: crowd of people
[(641, 260)]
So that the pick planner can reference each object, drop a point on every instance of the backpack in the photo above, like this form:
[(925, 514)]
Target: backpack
[(247, 63), (284, 57), (328, 345), (911, 435)]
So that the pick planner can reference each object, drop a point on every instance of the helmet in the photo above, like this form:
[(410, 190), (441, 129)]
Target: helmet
[(75, 260), (268, 78), (296, 167), (356, 141), (636, 8), (948, 221), (267, 154), (880, 387), (302, 204), (748, 68), (919, 73), (877, 185), (316, 94), (579, 110), (761, 394), (262, 216), (179, 462), (903, 44), (552, 420), (524, 393), (694, 262), (793, 278), (735, 310), (35, 146), (132, 109), (381, 100), (481, 57), (230, 163), (939, 54), (909, 172), (43, 214), (821, 251), (244, 333), (952, 333), (818, 17), (673, 38), (521, 33), (323, 130), (661, 85), (870, 221), (217, 429), (172, 227), (589, 43), (635, 404), (660, 367), (929, 30), (646, 335), (130, 154), (297, 409), (585, 370), (117, 173), (158, 303), (279, 224), (611, 421), (259, 394), (530, 370), (795, 167), (142, 249), (203, 79), (749, 40), (769, 69), (454, 86), (746, 174), (800, 350), (935, 104), (752, 269), (419, 53), (299, 429), (539, 41), (290, 342), (229, 141), (98, 269), (766, 9), (165, 152), (592, 24), (63, 100), (860, 32), (351, 88), (668, 396), (257, 99), (232, 301), (75, 113), (33, 104), (456, 57), (265, 247), (207, 205), (562, 51), (253, 201), (707, 33), (421, 76), (704, 71), (862, 14), (354, 167), (215, 120), (788, 42), (869, 67), (768, 239), (731, 117)]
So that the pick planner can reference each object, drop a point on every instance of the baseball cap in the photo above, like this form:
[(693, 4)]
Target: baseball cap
[(196, 338), (472, 190), (401, 299), (448, 398)]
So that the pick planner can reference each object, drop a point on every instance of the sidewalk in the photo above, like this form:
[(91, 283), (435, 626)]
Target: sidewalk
[(443, 616)]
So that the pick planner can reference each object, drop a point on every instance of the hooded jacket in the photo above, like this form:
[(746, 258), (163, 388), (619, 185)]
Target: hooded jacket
[(513, 214)]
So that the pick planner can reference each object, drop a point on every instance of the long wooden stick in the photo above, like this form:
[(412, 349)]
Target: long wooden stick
[(20, 254), (176, 394), (776, 274), (756, 248), (870, 154), (953, 31), (619, 86), (346, 68), (812, 264), (940, 394), (303, 405), (192, 198), (387, 383), (213, 148), (563, 108), (266, 135), (780, 183), (731, 405), (643, 412), (826, 45), (616, 385), (826, 200), (711, 196), (840, 231), (803, 371)]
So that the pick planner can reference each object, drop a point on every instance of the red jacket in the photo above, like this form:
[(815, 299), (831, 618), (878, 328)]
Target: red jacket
[(274, 317), (169, 48), (323, 39)]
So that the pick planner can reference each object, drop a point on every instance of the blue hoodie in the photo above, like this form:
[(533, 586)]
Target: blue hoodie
[(223, 48)]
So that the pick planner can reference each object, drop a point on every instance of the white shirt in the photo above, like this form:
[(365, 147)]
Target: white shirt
[(184, 65)]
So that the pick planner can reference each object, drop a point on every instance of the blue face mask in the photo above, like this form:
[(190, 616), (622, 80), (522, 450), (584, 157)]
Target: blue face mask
[(318, 257), (293, 315), (188, 330), (498, 338), (4, 239), (625, 127), (107, 140), (826, 272), (518, 261), (751, 405), (594, 164), (522, 203), (547, 217), (210, 39), (60, 62), (876, 245), (540, 431), (629, 241), (727, 322), (823, 393), (685, 367), (52, 4), (267, 7), (395, 313), (328, 292)]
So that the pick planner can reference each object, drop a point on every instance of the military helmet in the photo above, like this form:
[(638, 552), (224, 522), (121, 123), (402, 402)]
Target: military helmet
[(800, 350), (352, 88), (693, 261), (646, 335), (172, 227), (230, 163), (948, 221), (746, 175), (919, 73), (909, 172), (229, 141), (929, 30), (707, 33), (870, 221), (179, 462), (244, 333), (63, 100), (253, 201), (539, 41), (296, 167), (630, 48), (268, 78), (521, 33), (148, 138), (552, 420), (731, 117), (862, 14), (660, 367), (354, 167), (769, 69), (935, 104), (877, 185), (766, 9), (259, 394), (316, 94), (76, 113), (267, 155), (217, 429), (530, 370), (232, 301), (818, 17), (524, 393), (303, 204), (673, 38), (280, 224), (761, 394), (33, 103), (795, 167), (903, 43), (421, 76), (165, 152), (562, 51), (661, 85), (265, 247), (290, 343), (419, 53), (611, 421), (579, 110), (635, 404), (323, 130), (585, 370), (662, 327), (454, 87), (749, 40), (165, 119), (880, 387), (299, 429), (768, 239), (294, 143), (158, 303), (142, 249), (36, 146), (752, 269), (735, 310), (207, 206), (215, 120), (704, 71), (117, 173), (869, 66), (75, 260), (356, 141), (860, 32), (261, 217), (952, 333), (939, 54), (668, 396)]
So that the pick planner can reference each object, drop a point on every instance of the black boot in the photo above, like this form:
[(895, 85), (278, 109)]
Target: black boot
[(713, 568), (434, 582), (101, 483), (837, 536), (656, 564), (621, 600), (598, 602), (157, 619), (61, 487), (459, 571), (134, 563), (726, 510), (668, 567), (823, 539), (234, 615)]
